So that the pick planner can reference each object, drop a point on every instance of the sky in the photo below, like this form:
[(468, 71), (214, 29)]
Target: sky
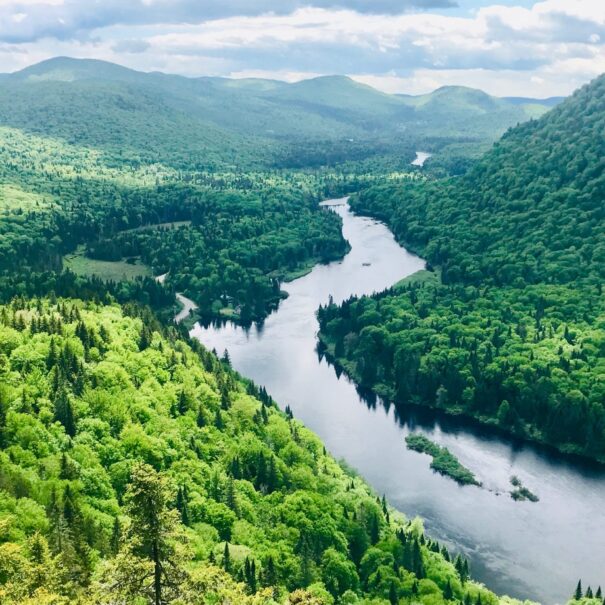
[(505, 47)]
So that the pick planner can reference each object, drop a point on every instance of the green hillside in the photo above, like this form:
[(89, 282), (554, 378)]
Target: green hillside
[(513, 332), (75, 221), (210, 122), (127, 450)]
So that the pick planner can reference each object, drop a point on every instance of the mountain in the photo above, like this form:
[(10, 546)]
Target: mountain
[(510, 330), (460, 111), (217, 121), (548, 102)]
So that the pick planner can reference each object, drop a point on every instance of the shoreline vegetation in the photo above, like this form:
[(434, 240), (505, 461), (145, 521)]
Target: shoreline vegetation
[(349, 368), (443, 461)]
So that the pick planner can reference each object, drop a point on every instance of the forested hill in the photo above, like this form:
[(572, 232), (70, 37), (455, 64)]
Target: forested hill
[(530, 211), (513, 333), (237, 123), (130, 454)]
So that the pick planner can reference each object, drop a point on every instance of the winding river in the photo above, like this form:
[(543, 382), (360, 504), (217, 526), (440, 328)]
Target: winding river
[(530, 550)]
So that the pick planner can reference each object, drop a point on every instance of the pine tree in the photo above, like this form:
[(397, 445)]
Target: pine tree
[(248, 575), (374, 529), (218, 421), (42, 564), (145, 339), (182, 504), (201, 418), (226, 558), (116, 536), (51, 359), (448, 593), (417, 561), (393, 597), (270, 573), (271, 475), (230, 496), (578, 594), (182, 405), (153, 548), (64, 412)]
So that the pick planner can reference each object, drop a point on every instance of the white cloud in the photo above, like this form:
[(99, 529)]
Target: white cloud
[(547, 49), (502, 83)]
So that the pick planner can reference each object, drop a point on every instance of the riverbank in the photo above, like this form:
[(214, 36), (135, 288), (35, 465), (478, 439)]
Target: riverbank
[(510, 544), (520, 432)]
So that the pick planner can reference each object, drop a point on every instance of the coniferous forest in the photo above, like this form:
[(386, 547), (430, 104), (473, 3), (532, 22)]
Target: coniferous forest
[(508, 329)]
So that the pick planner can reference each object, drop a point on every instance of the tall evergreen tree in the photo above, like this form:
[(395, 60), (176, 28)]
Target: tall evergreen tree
[(578, 593), (151, 563), (64, 412)]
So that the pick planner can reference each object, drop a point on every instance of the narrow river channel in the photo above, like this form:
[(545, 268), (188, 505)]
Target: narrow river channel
[(531, 550)]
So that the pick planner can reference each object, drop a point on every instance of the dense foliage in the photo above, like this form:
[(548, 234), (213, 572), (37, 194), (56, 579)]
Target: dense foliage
[(210, 123), (237, 248), (513, 332), (240, 235), (135, 463), (136, 467)]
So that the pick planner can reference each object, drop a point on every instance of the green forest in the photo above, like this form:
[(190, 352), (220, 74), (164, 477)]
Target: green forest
[(509, 327), (138, 467), (228, 240), (135, 463)]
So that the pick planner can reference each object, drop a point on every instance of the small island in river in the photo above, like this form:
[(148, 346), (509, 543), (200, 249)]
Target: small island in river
[(444, 462), (521, 493)]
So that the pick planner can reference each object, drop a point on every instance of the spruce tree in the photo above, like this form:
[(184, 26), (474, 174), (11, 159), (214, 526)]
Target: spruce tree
[(116, 536), (151, 564), (448, 593), (64, 412), (226, 558), (393, 597), (578, 594)]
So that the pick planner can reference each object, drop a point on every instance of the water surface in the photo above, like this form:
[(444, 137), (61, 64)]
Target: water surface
[(421, 158), (530, 550)]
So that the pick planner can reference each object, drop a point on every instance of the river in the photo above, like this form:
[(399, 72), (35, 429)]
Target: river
[(421, 158), (530, 550)]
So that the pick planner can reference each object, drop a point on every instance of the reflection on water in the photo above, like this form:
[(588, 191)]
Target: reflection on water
[(536, 550)]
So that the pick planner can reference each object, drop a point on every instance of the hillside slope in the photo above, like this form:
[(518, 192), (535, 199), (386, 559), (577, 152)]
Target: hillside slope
[(513, 333), (115, 431), (215, 121)]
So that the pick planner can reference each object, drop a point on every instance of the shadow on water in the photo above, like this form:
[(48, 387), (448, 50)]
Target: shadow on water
[(415, 417)]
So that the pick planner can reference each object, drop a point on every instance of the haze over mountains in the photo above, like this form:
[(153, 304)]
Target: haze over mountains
[(105, 105)]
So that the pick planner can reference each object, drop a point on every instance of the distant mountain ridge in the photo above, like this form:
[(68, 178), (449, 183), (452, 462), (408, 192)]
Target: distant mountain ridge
[(227, 121)]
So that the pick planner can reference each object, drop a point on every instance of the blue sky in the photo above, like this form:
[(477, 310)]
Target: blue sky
[(506, 47), (468, 6)]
